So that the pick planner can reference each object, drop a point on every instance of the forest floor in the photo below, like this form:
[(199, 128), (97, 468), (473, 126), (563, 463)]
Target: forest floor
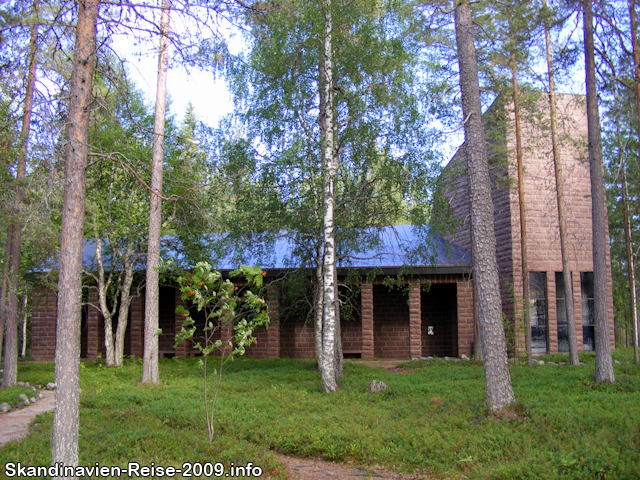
[(14, 425)]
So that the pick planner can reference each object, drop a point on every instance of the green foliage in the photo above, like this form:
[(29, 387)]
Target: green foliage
[(223, 306), (431, 421)]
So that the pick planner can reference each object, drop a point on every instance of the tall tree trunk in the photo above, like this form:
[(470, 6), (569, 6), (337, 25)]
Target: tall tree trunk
[(633, 301), (499, 393), (562, 220), (3, 288), (103, 307), (10, 367), (523, 214), (25, 299), (67, 361), (338, 349), (330, 169), (318, 312), (150, 371), (604, 363), (125, 302), (636, 60)]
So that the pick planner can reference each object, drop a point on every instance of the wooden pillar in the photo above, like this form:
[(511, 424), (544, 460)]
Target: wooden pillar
[(93, 328), (464, 294), (366, 299), (415, 322), (577, 308), (273, 331), (552, 314), (136, 326)]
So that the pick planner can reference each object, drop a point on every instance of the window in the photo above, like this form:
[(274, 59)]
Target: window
[(561, 314), (538, 292), (588, 311)]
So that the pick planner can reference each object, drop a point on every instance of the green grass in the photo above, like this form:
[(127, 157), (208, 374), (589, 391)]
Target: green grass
[(10, 395), (431, 419)]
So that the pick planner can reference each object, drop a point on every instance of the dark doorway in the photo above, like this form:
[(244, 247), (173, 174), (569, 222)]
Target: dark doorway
[(440, 320)]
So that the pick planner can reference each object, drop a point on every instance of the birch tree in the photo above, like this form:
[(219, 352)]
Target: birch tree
[(499, 393)]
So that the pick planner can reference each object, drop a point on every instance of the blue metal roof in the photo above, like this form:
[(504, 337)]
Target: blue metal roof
[(387, 248)]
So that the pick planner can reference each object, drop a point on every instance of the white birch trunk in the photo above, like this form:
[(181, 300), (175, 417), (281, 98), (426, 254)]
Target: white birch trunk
[(318, 308), (150, 372), (330, 168), (125, 302)]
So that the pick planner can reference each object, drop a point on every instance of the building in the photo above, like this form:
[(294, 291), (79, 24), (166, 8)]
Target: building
[(389, 323), (548, 318), (410, 322)]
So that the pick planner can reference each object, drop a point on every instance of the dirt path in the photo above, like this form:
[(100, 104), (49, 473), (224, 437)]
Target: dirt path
[(15, 424), (314, 469)]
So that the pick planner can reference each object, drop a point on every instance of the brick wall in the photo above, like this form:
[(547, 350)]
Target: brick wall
[(391, 323), (543, 237), (43, 324)]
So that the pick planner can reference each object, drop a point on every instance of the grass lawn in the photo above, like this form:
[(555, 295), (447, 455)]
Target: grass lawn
[(432, 419)]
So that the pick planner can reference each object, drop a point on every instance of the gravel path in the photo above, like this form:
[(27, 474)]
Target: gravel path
[(15, 424)]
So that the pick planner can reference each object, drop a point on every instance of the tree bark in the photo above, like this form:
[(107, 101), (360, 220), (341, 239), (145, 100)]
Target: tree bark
[(523, 214), (125, 302), (23, 353), (562, 220), (67, 360), (633, 301), (10, 366), (636, 59), (319, 308), (604, 364), (150, 372), (330, 169), (107, 314), (499, 393), (3, 288)]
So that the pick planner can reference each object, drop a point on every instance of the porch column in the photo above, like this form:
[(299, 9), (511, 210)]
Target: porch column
[(366, 299), (93, 328), (273, 331), (415, 322), (137, 327), (464, 294), (577, 309), (552, 310)]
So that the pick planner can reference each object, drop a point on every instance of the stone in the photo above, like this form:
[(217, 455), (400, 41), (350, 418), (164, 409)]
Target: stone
[(464, 358), (20, 384), (51, 386), (617, 362), (5, 407), (429, 357), (375, 386), (446, 359), (540, 362), (32, 399), (39, 395), (23, 398), (19, 406), (32, 388), (423, 358)]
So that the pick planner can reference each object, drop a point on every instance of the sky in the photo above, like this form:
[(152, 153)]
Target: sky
[(209, 96)]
